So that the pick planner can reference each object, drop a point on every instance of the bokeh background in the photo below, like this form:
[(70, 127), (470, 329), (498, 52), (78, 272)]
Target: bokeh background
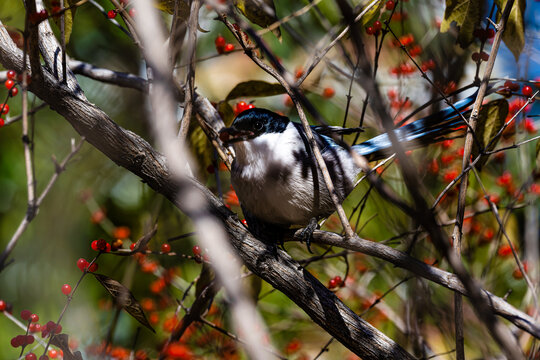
[(67, 222)]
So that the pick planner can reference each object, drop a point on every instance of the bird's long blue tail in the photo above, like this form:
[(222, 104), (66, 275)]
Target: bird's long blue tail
[(419, 133)]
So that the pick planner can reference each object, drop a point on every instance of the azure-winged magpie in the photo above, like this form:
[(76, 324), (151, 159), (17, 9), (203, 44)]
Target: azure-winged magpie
[(276, 177)]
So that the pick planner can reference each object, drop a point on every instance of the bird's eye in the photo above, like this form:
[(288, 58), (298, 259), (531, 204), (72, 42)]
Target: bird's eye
[(258, 125)]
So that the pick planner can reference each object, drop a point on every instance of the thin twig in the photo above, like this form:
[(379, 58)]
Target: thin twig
[(26, 220), (190, 77)]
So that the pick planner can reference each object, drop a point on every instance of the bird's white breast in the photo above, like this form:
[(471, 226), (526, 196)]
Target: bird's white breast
[(273, 181)]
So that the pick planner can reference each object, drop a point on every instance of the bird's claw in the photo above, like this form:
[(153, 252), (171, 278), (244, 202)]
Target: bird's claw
[(307, 233)]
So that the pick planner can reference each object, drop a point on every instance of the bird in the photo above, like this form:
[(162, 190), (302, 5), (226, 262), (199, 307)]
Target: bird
[(277, 180)]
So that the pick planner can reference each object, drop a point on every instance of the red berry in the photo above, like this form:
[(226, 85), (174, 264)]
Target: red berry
[(165, 248), (111, 14), (132, 246), (529, 126), (34, 318), (197, 250), (28, 339), (328, 92), (475, 57), (447, 143), (9, 84), (66, 289), (34, 327), (390, 5), (93, 267), (377, 25), (82, 264), (3, 305), (53, 353), (229, 48), (132, 12), (5, 108), (16, 341), (332, 283), (416, 50), (511, 85), (25, 314), (370, 30), (504, 250), (11, 74), (30, 356), (338, 280), (99, 245), (527, 90), (220, 41), (14, 91), (484, 56), (240, 107)]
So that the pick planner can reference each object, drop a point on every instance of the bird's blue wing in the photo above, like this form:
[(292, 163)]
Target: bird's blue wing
[(421, 132)]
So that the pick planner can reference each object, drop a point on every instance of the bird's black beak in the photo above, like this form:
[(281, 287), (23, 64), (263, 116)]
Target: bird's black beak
[(231, 135)]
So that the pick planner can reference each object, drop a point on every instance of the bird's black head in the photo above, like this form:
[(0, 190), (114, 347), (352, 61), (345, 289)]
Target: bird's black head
[(252, 123)]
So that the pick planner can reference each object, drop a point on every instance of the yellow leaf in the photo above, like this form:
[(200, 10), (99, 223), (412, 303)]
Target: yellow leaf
[(260, 12), (465, 15), (514, 34)]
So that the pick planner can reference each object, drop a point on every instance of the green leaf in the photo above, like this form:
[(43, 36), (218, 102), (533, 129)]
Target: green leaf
[(52, 7), (514, 34), (260, 12), (255, 88), (372, 13), (61, 341), (465, 14), (490, 120), (124, 298)]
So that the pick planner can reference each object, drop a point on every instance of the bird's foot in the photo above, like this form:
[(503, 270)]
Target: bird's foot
[(307, 233)]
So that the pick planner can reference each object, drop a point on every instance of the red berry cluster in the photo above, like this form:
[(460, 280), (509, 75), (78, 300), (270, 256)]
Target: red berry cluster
[(374, 29), (335, 282), (84, 265), (222, 46), (100, 245), (242, 106), (50, 327), (479, 57), (10, 83), (22, 340), (397, 103), (111, 14), (33, 327), (165, 248)]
